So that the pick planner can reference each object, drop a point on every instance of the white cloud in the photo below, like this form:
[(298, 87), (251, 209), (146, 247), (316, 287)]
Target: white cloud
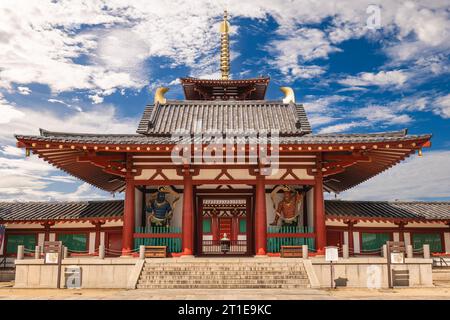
[(418, 178), (299, 47), (77, 108), (386, 115), (396, 78), (443, 106), (103, 46), (32, 178), (341, 127), (424, 28), (11, 151), (24, 90)]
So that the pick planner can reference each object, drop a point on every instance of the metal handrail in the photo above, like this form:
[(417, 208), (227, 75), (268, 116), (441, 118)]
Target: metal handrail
[(442, 260), (3, 262)]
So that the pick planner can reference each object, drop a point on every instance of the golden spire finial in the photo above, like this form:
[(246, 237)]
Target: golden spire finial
[(224, 47)]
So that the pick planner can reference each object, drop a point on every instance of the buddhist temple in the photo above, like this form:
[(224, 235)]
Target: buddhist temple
[(224, 163)]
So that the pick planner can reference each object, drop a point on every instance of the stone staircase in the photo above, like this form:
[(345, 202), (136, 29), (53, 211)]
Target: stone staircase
[(441, 276), (223, 273)]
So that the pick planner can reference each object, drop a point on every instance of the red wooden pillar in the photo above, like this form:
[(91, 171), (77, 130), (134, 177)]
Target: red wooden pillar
[(215, 226), (260, 216), (401, 230), (128, 218), (234, 227), (47, 226), (188, 215), (319, 214)]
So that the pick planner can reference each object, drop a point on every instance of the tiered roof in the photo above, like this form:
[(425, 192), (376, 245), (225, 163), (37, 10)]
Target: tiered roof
[(220, 107)]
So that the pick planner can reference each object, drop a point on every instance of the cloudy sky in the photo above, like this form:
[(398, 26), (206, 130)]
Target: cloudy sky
[(358, 66)]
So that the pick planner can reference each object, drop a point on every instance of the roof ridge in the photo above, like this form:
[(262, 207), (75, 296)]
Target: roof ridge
[(47, 133)]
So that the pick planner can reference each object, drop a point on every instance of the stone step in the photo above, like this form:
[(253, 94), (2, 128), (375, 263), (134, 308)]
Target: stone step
[(163, 278), (223, 270), (198, 280), (223, 275), (219, 284), (222, 286)]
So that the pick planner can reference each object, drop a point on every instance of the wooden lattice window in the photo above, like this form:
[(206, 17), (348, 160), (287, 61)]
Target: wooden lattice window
[(74, 241), (432, 239), (14, 240)]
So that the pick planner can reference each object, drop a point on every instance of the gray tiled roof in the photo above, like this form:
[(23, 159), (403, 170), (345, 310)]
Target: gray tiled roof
[(43, 211), (61, 137), (389, 209), (220, 116)]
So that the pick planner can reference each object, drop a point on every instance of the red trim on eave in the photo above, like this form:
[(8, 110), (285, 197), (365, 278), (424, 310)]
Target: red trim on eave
[(61, 221), (371, 219)]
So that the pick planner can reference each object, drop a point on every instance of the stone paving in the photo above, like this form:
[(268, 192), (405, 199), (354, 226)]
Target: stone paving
[(7, 292)]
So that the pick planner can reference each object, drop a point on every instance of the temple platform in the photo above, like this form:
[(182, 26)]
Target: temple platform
[(221, 273)]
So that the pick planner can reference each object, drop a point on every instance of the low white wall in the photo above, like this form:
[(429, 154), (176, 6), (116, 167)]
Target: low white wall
[(95, 273), (372, 272)]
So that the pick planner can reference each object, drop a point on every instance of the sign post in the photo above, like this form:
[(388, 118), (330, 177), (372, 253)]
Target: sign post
[(53, 255), (331, 255), (395, 255)]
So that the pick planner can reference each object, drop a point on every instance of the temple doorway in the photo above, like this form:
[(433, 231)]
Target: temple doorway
[(222, 217)]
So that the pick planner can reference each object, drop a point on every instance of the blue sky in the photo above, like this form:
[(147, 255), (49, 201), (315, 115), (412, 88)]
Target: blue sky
[(92, 66)]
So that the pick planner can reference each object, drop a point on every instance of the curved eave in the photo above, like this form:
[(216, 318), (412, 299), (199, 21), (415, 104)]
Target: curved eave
[(382, 159), (63, 150)]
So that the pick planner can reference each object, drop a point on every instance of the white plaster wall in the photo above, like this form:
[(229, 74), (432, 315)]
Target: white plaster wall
[(138, 208), (52, 237), (356, 244), (346, 237), (396, 236), (71, 225), (91, 242), (41, 239), (102, 238), (447, 241), (407, 237)]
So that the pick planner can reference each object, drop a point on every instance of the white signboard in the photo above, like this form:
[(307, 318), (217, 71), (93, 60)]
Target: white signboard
[(397, 257), (51, 257), (331, 254)]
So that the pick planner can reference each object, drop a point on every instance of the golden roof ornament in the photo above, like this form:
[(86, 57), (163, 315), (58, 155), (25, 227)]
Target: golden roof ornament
[(289, 95), (159, 95), (225, 47)]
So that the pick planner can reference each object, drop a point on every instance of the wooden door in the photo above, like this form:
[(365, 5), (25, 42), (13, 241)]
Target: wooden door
[(225, 225), (114, 242), (334, 238)]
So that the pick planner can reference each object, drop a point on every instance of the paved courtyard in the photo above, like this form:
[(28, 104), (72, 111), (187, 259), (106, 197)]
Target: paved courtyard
[(7, 292)]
